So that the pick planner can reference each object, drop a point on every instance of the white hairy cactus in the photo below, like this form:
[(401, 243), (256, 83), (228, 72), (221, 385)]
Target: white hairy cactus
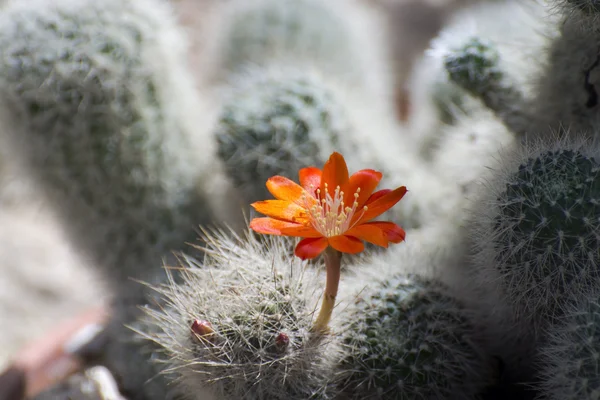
[(515, 33), (341, 38), (238, 325), (470, 146), (89, 90), (570, 357), (276, 122), (534, 229), (103, 112)]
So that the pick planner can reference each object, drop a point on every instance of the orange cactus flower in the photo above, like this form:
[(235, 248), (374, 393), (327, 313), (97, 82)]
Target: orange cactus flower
[(329, 208)]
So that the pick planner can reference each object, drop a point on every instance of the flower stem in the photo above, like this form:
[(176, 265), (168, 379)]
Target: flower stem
[(332, 267)]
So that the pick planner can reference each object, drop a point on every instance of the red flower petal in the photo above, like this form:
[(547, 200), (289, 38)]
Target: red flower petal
[(370, 233), (310, 247), (285, 189), (346, 244), (271, 226), (281, 209), (393, 232), (367, 180), (373, 232), (377, 195), (380, 205), (335, 173), (310, 179)]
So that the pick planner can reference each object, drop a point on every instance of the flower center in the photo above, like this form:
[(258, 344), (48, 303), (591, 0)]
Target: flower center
[(330, 216)]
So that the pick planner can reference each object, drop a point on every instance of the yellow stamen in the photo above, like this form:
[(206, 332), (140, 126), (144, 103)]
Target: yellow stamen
[(330, 216)]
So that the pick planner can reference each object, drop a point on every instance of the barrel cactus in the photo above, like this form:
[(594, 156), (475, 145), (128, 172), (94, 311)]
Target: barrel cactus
[(407, 338), (535, 230)]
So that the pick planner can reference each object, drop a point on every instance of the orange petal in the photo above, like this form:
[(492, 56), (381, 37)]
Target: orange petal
[(367, 180), (285, 189), (393, 232), (310, 179), (311, 247), (270, 226), (373, 232), (378, 194), (335, 173), (370, 233), (380, 205), (306, 231), (281, 209), (346, 244)]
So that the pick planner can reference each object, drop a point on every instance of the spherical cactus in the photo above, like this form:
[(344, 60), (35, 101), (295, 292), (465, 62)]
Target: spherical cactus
[(407, 338), (238, 326), (276, 123), (535, 231), (569, 360), (102, 110)]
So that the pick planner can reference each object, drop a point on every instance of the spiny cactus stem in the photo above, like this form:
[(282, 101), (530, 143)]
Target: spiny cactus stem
[(333, 260)]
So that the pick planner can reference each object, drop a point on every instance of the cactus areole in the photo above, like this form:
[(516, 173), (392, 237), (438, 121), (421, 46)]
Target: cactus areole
[(333, 212)]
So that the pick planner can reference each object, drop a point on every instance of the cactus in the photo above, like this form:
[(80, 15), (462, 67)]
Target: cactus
[(407, 338), (568, 361), (535, 230), (101, 109), (238, 326), (567, 87), (276, 123), (468, 148), (335, 37), (475, 68)]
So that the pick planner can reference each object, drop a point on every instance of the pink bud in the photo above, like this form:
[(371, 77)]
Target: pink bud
[(282, 340), (202, 327)]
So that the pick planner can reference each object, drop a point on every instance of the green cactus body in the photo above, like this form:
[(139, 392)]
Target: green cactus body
[(569, 360), (238, 326), (407, 339), (276, 124), (541, 233)]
